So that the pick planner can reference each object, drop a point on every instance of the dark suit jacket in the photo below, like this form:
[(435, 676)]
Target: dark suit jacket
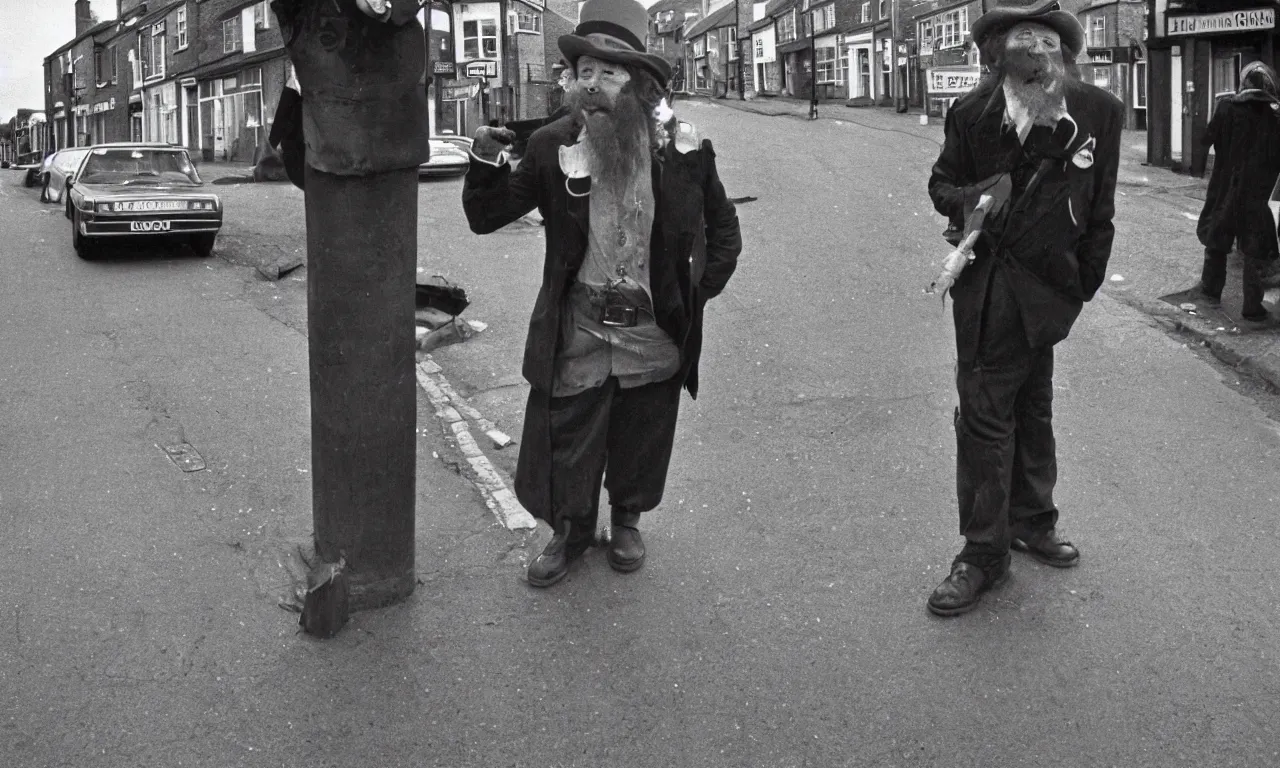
[(693, 249), (1245, 135), (1055, 243)]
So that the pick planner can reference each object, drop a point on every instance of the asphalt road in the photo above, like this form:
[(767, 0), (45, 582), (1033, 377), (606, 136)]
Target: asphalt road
[(779, 619)]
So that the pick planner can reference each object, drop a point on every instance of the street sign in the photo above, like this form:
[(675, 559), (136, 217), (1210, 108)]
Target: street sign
[(482, 69), (443, 68), (1231, 21), (959, 80)]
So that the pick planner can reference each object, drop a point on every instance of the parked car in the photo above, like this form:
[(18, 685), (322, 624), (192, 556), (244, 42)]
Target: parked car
[(57, 168), (140, 190), (450, 156)]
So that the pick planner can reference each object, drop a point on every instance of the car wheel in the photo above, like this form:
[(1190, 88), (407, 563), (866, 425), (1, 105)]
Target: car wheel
[(202, 243), (84, 247)]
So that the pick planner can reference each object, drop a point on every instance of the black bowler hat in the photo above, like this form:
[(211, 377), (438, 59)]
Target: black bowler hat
[(1007, 14), (614, 30)]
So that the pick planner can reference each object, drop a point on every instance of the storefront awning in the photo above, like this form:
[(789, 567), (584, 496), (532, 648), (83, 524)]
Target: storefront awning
[(795, 45)]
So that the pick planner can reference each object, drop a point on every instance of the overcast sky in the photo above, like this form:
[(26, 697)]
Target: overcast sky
[(29, 31)]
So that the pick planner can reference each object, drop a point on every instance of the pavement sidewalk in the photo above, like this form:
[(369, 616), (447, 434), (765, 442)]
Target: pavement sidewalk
[(1251, 349)]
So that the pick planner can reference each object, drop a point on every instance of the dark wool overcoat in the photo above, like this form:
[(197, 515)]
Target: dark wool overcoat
[(694, 247), (1055, 243), (1245, 136)]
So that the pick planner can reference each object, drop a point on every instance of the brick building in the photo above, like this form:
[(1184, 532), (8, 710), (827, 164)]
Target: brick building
[(1115, 31)]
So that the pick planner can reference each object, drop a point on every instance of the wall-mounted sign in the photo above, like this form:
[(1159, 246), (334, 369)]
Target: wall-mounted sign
[(443, 68), (459, 92), (101, 106), (1231, 21), (1100, 57), (956, 81), (481, 69)]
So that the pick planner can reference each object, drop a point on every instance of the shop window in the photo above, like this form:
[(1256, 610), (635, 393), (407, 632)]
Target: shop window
[(828, 72)]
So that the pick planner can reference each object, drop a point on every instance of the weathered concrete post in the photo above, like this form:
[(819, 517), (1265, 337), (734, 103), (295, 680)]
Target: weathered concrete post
[(359, 64)]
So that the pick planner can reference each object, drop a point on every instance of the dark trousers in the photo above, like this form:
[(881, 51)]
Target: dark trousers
[(1213, 277), (1006, 462), (623, 436)]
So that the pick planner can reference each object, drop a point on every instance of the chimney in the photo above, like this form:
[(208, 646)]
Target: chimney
[(84, 17)]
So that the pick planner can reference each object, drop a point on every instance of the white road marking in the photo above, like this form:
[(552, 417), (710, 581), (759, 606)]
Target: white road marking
[(493, 484)]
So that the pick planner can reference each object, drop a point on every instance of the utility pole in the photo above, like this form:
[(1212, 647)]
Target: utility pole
[(737, 43), (504, 56), (813, 67), (364, 120)]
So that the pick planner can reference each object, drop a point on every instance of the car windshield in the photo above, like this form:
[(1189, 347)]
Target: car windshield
[(138, 166), (68, 160)]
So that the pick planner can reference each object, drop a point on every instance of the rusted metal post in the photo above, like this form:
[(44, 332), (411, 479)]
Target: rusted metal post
[(359, 64)]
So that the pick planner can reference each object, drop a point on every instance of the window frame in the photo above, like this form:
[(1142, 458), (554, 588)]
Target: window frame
[(866, 11), (1097, 31), (180, 38), (156, 64), (479, 38), (237, 37), (732, 43), (522, 14), (786, 27), (829, 64)]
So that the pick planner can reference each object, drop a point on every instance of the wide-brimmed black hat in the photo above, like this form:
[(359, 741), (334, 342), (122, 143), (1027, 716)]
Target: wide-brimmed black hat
[(1007, 14), (614, 30)]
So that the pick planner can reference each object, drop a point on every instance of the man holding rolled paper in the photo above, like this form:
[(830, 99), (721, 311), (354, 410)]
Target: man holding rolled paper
[(1029, 162)]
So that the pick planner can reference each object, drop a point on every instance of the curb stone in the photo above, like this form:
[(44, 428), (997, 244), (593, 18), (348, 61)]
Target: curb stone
[(1247, 352)]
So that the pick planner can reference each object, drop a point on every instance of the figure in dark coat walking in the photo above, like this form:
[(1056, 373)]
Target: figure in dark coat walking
[(640, 234), (1030, 126), (1245, 136)]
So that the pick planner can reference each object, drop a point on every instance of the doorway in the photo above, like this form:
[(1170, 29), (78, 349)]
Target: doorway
[(862, 77)]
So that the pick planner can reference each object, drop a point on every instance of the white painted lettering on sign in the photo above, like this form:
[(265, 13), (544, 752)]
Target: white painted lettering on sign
[(1231, 21), (953, 80), (149, 226)]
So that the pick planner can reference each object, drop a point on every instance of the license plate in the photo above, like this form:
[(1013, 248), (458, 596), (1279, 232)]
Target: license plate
[(149, 226)]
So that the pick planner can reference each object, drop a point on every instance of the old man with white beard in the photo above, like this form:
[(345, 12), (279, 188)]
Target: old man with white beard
[(640, 234), (1049, 146)]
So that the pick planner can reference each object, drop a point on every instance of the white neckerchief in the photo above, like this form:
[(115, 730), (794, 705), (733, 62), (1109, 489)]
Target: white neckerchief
[(1015, 112)]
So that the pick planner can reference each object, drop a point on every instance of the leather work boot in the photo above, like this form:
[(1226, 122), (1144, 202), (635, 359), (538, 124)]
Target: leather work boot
[(626, 548), (1047, 547), (566, 545), (960, 592)]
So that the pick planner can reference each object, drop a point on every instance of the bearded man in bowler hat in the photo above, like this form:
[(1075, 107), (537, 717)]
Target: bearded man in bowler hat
[(1052, 144), (640, 234)]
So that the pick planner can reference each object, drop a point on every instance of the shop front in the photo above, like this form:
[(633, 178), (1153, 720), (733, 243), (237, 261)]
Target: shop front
[(943, 85), (1112, 69), (1195, 59)]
